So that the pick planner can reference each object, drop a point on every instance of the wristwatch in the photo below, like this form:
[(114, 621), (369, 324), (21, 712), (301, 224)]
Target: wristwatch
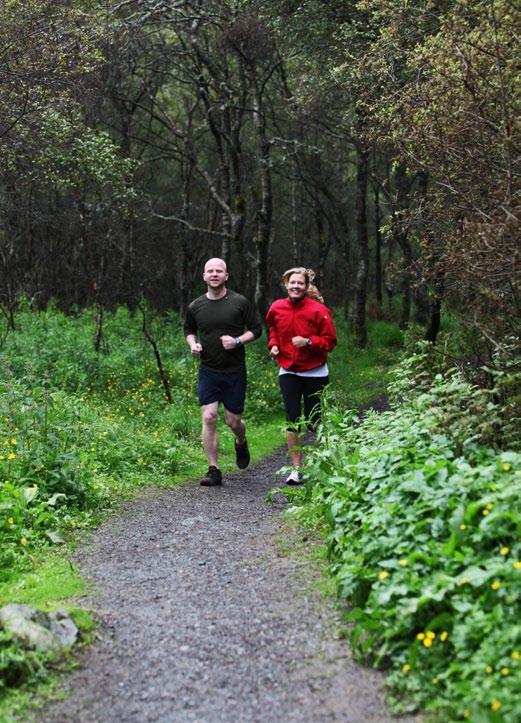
[(238, 341), (308, 341)]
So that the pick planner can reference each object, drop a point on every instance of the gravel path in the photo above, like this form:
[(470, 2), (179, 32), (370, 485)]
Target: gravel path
[(205, 617)]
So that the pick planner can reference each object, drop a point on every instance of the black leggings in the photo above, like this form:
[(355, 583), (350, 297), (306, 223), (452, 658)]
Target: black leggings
[(294, 389)]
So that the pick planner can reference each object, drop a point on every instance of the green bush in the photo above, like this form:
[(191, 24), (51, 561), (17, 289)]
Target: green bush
[(80, 428), (44, 471), (423, 520)]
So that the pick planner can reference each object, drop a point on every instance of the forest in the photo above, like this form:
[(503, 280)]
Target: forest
[(374, 141)]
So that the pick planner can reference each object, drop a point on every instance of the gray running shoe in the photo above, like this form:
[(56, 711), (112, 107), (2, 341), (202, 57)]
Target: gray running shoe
[(213, 478)]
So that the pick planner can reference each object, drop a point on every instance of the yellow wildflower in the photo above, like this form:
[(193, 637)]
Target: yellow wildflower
[(517, 564), (402, 562), (495, 585), (505, 671), (406, 668), (2, 456), (435, 681), (489, 669), (443, 636), (421, 636), (13, 440), (11, 455), (490, 505), (383, 575), (23, 541), (10, 521), (431, 635), (484, 512), (427, 642), (504, 551), (463, 527), (516, 655), (507, 467), (463, 580), (495, 705)]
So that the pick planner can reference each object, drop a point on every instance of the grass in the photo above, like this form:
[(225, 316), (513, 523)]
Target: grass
[(360, 375), (54, 581), (17, 704), (54, 584), (85, 430)]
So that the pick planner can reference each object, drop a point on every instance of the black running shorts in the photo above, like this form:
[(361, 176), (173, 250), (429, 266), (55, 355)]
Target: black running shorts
[(226, 387)]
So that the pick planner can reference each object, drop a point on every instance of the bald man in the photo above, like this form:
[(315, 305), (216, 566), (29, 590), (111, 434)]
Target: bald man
[(218, 325)]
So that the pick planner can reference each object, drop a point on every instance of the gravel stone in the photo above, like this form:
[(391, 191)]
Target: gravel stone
[(207, 618)]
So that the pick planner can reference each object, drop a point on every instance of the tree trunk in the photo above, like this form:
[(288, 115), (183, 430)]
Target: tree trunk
[(98, 334), (378, 248), (159, 363), (294, 233), (359, 311), (265, 212), (401, 235), (433, 312), (324, 244), (432, 331)]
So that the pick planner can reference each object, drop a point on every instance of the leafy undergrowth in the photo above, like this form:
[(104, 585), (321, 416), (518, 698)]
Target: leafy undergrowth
[(360, 375), (81, 430), (423, 523)]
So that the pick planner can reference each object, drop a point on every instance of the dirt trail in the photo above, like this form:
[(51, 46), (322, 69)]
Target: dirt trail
[(205, 618)]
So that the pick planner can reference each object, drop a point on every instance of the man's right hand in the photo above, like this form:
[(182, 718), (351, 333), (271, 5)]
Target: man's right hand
[(196, 349)]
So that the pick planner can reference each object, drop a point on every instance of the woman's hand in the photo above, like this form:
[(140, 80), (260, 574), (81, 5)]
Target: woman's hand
[(299, 341), (274, 352)]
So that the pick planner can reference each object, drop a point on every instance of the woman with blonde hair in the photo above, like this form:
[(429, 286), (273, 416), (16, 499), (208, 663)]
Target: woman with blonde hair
[(312, 290), (301, 333)]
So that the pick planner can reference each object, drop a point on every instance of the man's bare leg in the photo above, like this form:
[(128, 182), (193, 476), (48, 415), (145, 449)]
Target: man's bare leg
[(234, 421), (209, 414)]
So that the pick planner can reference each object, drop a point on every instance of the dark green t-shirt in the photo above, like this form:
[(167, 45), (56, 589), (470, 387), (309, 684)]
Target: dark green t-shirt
[(209, 319)]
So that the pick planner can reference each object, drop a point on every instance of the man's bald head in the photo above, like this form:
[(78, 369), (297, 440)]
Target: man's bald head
[(215, 277), (216, 262)]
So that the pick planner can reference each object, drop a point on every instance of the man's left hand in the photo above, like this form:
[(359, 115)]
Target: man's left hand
[(228, 342)]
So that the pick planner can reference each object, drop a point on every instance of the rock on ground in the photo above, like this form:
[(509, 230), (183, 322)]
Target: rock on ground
[(38, 630)]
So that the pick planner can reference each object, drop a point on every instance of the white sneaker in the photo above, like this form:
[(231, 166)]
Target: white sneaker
[(294, 477)]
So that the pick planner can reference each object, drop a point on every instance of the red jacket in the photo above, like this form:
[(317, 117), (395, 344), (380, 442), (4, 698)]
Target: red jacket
[(306, 317)]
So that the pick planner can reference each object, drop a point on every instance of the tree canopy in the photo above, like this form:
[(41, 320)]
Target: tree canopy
[(374, 141)]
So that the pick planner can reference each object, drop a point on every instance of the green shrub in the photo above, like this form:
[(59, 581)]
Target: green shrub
[(423, 517), (18, 666), (80, 428)]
